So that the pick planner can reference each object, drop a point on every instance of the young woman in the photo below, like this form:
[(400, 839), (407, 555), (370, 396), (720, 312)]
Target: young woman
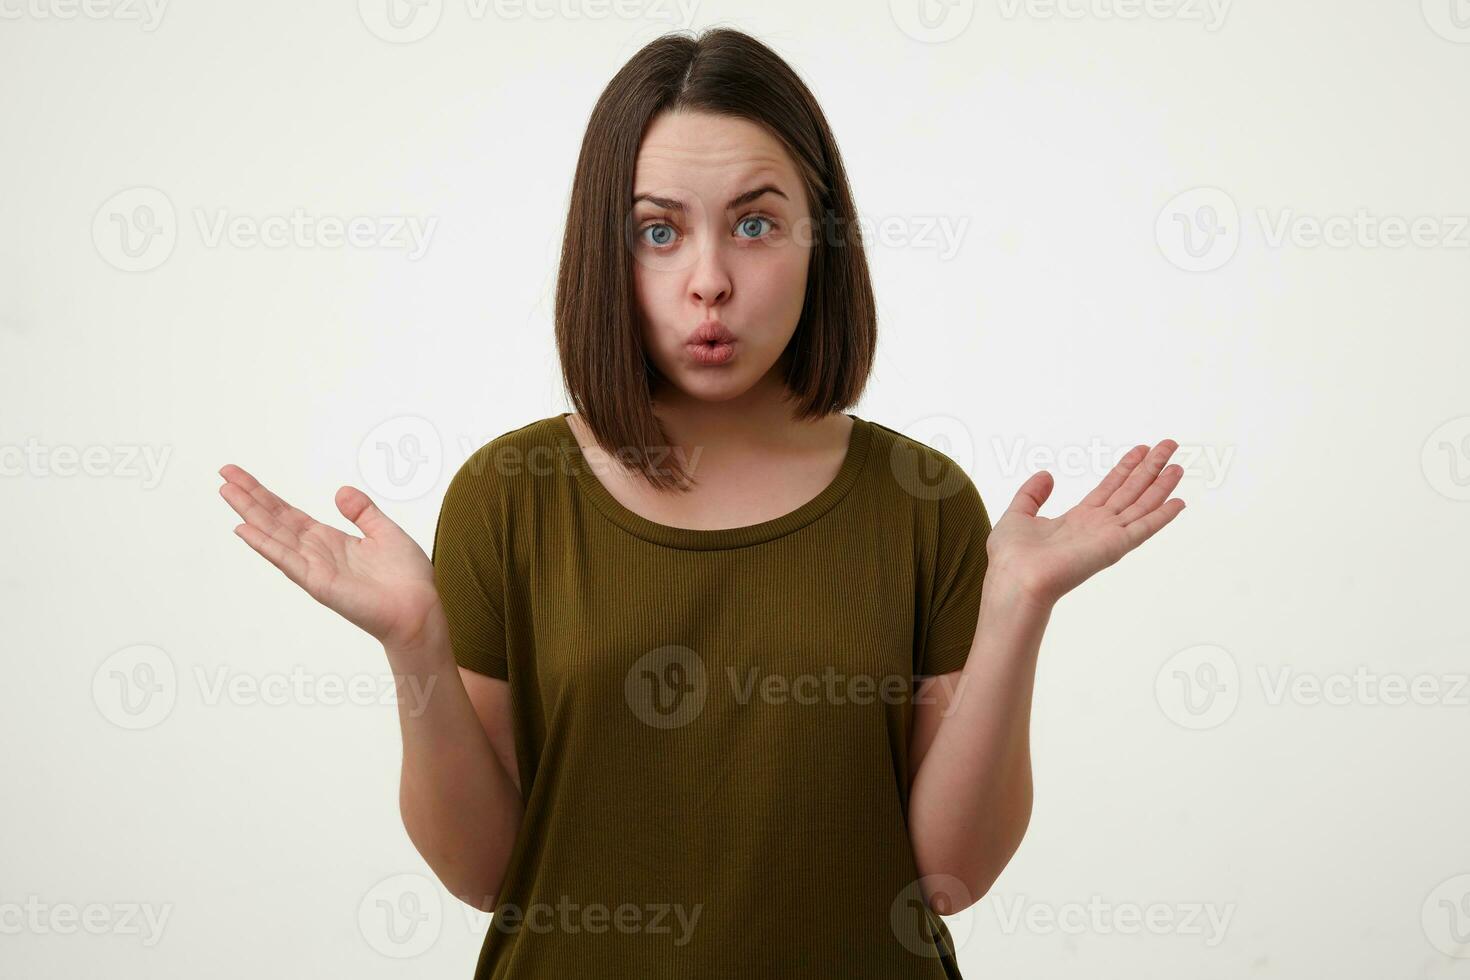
[(729, 682)]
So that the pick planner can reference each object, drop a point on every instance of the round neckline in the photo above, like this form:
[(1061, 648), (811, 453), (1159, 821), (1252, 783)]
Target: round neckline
[(704, 539)]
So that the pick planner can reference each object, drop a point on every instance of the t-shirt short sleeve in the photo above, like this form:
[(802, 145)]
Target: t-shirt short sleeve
[(468, 574), (959, 573)]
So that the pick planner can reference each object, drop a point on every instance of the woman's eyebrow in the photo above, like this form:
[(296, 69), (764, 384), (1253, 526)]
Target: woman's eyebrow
[(672, 204)]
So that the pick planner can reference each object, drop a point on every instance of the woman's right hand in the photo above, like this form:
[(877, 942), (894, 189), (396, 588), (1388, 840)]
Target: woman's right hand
[(382, 582)]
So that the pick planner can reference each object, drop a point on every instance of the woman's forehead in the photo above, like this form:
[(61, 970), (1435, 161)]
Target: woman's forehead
[(721, 147)]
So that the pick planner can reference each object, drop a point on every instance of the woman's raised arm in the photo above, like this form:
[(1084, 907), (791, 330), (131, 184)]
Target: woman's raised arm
[(460, 806)]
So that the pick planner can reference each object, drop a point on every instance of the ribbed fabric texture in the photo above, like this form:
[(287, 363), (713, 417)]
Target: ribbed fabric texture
[(711, 725)]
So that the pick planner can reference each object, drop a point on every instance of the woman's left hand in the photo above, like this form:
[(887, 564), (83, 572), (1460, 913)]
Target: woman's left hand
[(1050, 556)]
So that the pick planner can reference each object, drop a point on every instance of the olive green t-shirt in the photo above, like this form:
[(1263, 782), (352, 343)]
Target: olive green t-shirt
[(712, 726)]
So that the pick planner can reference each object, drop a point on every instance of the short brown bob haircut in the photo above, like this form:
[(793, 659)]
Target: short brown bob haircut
[(605, 368)]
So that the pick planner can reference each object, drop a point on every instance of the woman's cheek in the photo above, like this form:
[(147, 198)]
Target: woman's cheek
[(789, 276), (651, 305)]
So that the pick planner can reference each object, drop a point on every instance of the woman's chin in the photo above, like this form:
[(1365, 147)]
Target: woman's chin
[(712, 386)]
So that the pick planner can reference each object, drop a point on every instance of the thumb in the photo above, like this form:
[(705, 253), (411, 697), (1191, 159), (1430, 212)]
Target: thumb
[(358, 508), (1033, 494)]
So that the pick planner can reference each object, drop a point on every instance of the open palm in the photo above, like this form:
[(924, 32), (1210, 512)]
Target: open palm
[(382, 582), (1053, 555)]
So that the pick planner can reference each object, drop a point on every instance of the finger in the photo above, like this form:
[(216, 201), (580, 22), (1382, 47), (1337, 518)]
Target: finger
[(1142, 475), (291, 564), (1148, 525), (1115, 477), (257, 516), (359, 508), (297, 520), (1032, 494), (1157, 491)]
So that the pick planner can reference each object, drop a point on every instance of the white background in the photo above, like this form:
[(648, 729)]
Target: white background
[(1318, 393)]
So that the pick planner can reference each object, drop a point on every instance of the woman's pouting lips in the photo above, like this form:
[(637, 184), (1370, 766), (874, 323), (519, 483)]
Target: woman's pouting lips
[(711, 343), (711, 353)]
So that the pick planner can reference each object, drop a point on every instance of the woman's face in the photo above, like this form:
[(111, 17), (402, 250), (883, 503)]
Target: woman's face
[(720, 231)]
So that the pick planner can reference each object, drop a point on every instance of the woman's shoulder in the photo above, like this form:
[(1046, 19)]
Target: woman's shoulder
[(526, 450), (927, 459), (933, 484), (539, 433)]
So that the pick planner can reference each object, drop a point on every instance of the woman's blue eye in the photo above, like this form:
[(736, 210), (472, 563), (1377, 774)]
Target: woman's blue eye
[(757, 219), (665, 238)]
